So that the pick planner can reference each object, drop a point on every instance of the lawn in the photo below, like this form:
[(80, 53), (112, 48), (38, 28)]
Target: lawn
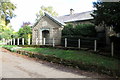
[(82, 56), (9, 46)]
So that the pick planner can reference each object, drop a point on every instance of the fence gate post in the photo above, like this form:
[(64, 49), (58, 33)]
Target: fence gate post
[(53, 42), (18, 41), (112, 48), (65, 42), (78, 43), (22, 41), (95, 45), (44, 41)]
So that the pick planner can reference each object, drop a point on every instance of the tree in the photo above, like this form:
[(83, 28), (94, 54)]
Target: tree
[(48, 9), (25, 24), (5, 31), (25, 32), (6, 10), (107, 13)]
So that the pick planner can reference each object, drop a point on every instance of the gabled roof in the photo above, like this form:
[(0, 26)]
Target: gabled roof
[(76, 17), (68, 18), (52, 18)]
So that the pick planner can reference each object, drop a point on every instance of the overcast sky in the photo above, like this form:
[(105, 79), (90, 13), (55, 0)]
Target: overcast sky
[(27, 9)]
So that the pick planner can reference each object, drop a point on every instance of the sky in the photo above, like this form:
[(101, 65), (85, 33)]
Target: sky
[(26, 9)]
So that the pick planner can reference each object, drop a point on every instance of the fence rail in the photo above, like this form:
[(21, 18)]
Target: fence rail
[(79, 43)]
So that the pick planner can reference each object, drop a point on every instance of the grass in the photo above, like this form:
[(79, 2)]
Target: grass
[(9, 46), (82, 56)]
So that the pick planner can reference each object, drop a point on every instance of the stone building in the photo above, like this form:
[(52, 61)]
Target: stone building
[(77, 18), (48, 27)]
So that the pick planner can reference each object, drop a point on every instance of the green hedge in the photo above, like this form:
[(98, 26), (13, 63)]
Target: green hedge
[(86, 30)]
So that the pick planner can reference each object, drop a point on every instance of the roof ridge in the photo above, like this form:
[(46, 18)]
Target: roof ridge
[(75, 13)]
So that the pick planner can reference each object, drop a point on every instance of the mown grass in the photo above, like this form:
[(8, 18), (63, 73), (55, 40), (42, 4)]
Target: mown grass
[(82, 56), (9, 46)]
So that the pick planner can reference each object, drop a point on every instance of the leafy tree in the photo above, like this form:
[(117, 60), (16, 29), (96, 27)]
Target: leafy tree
[(25, 32), (5, 31), (25, 24), (107, 13), (6, 10), (48, 9)]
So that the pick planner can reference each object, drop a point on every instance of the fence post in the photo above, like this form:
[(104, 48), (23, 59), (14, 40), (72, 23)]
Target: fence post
[(28, 41), (44, 41), (18, 41), (22, 41), (53, 42), (112, 48), (11, 41), (36, 41), (14, 41), (78, 43), (6, 41), (3, 40), (95, 45), (65, 42)]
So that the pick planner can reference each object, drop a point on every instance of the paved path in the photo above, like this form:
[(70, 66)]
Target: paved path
[(17, 66)]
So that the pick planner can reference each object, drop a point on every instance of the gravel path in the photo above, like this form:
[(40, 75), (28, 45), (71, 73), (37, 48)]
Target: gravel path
[(14, 65)]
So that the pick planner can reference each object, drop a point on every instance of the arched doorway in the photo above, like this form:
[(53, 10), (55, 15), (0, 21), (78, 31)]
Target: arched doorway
[(45, 34)]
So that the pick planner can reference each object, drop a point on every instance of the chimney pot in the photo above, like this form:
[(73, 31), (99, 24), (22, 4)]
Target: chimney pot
[(71, 11)]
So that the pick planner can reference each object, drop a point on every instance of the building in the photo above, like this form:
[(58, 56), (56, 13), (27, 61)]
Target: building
[(48, 29), (76, 18)]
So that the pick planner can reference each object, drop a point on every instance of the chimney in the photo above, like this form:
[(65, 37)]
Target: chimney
[(71, 11)]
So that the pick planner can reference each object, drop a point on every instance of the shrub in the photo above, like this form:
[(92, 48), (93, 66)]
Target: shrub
[(86, 30), (68, 30)]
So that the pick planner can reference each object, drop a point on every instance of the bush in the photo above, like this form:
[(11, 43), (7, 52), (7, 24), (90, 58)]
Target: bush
[(68, 30), (86, 30)]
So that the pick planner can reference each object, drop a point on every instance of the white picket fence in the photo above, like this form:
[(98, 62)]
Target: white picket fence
[(14, 42)]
